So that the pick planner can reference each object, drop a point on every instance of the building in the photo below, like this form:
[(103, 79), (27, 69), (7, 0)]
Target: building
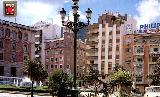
[(105, 41), (59, 54), (17, 44), (141, 53), (49, 31)]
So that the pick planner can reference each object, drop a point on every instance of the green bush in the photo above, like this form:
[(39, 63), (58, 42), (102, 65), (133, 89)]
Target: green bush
[(43, 89)]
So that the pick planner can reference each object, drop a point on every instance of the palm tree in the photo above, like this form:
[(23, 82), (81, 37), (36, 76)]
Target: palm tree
[(35, 71), (60, 83)]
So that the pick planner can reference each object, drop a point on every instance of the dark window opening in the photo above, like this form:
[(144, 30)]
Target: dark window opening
[(56, 66), (154, 59), (1, 70), (52, 59), (25, 48), (139, 59), (1, 44), (155, 49), (13, 57), (1, 56), (20, 35), (13, 71), (7, 34)]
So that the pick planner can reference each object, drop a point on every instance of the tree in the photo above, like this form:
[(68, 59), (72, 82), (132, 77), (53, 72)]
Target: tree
[(155, 75), (35, 71), (122, 79), (60, 83), (93, 80)]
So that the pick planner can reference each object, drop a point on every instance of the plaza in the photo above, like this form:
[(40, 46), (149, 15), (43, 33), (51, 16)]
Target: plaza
[(19, 95)]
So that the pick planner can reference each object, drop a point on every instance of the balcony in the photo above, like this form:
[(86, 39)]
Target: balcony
[(152, 53), (94, 54), (152, 62), (139, 79), (92, 42), (139, 51)]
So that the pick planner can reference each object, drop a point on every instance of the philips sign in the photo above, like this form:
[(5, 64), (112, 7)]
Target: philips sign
[(150, 26)]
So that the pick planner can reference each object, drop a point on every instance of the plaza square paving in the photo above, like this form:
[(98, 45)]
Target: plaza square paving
[(18, 95)]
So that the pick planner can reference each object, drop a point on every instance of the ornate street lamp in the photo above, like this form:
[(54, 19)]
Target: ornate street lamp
[(75, 26)]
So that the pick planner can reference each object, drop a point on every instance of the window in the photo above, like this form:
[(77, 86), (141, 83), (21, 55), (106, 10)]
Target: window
[(13, 71), (13, 57), (56, 59), (47, 51), (154, 59), (52, 59), (61, 52), (139, 79), (1, 44), (1, 32), (155, 49), (139, 50), (56, 66), (51, 66), (47, 59), (7, 32), (56, 52), (14, 45), (109, 56), (26, 37), (25, 58), (2, 70), (60, 66), (61, 59), (14, 35), (128, 50), (19, 35), (25, 49), (117, 48), (1, 56), (110, 33), (117, 56), (110, 40), (139, 59), (117, 40), (67, 66), (117, 32)]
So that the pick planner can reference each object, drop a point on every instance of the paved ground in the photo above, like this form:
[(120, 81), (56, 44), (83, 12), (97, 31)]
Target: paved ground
[(20, 94)]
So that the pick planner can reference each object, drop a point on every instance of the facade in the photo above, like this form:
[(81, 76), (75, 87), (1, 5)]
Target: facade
[(59, 54), (105, 41), (141, 53), (17, 44), (49, 31)]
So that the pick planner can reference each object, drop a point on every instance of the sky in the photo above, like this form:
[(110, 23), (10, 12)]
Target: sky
[(31, 11)]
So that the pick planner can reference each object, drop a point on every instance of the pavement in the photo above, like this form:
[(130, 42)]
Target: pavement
[(4, 93)]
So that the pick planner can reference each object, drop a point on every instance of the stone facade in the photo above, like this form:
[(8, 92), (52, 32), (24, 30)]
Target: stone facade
[(16, 46)]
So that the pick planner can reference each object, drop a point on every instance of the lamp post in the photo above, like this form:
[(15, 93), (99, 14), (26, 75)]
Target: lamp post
[(75, 26)]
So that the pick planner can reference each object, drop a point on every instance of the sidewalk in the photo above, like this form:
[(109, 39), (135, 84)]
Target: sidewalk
[(25, 94)]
